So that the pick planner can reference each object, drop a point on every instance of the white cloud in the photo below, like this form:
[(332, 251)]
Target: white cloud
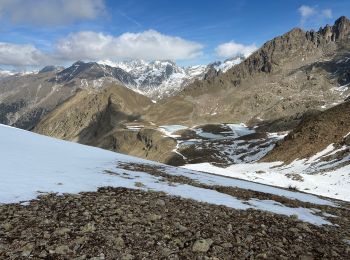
[(306, 11), (50, 12), (93, 46), (327, 13), (313, 14), (148, 45), (21, 55), (231, 49)]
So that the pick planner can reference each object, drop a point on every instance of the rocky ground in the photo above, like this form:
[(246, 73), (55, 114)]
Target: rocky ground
[(118, 223)]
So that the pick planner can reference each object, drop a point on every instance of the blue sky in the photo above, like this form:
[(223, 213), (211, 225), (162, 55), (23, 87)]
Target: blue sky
[(34, 33)]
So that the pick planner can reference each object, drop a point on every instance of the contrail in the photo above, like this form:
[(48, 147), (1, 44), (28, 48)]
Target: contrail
[(129, 18)]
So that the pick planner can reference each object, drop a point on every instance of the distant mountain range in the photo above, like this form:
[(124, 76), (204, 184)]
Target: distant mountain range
[(8, 73), (159, 79), (155, 79), (25, 97)]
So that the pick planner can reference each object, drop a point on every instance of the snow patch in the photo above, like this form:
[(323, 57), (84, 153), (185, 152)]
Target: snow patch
[(33, 164), (313, 175)]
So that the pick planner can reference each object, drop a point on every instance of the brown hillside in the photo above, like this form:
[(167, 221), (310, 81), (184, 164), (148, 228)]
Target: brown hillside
[(99, 118), (313, 134), (91, 114)]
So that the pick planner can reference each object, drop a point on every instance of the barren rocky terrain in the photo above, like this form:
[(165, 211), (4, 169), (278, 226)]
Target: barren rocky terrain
[(128, 224), (314, 133)]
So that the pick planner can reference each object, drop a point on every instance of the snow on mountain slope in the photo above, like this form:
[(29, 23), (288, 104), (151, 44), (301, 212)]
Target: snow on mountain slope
[(32, 164), (321, 174), (8, 73), (158, 79), (221, 144), (228, 64), (5, 73)]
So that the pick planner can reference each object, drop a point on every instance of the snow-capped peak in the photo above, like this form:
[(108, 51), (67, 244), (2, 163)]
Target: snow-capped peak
[(140, 66), (161, 78), (228, 64), (6, 73)]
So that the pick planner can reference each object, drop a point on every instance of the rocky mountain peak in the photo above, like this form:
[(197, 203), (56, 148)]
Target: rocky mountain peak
[(341, 28), (51, 68), (79, 63), (338, 32), (73, 71), (91, 71), (293, 47)]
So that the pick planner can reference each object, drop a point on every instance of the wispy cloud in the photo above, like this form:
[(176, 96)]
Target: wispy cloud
[(129, 18), (231, 49), (50, 12), (327, 13), (313, 14)]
